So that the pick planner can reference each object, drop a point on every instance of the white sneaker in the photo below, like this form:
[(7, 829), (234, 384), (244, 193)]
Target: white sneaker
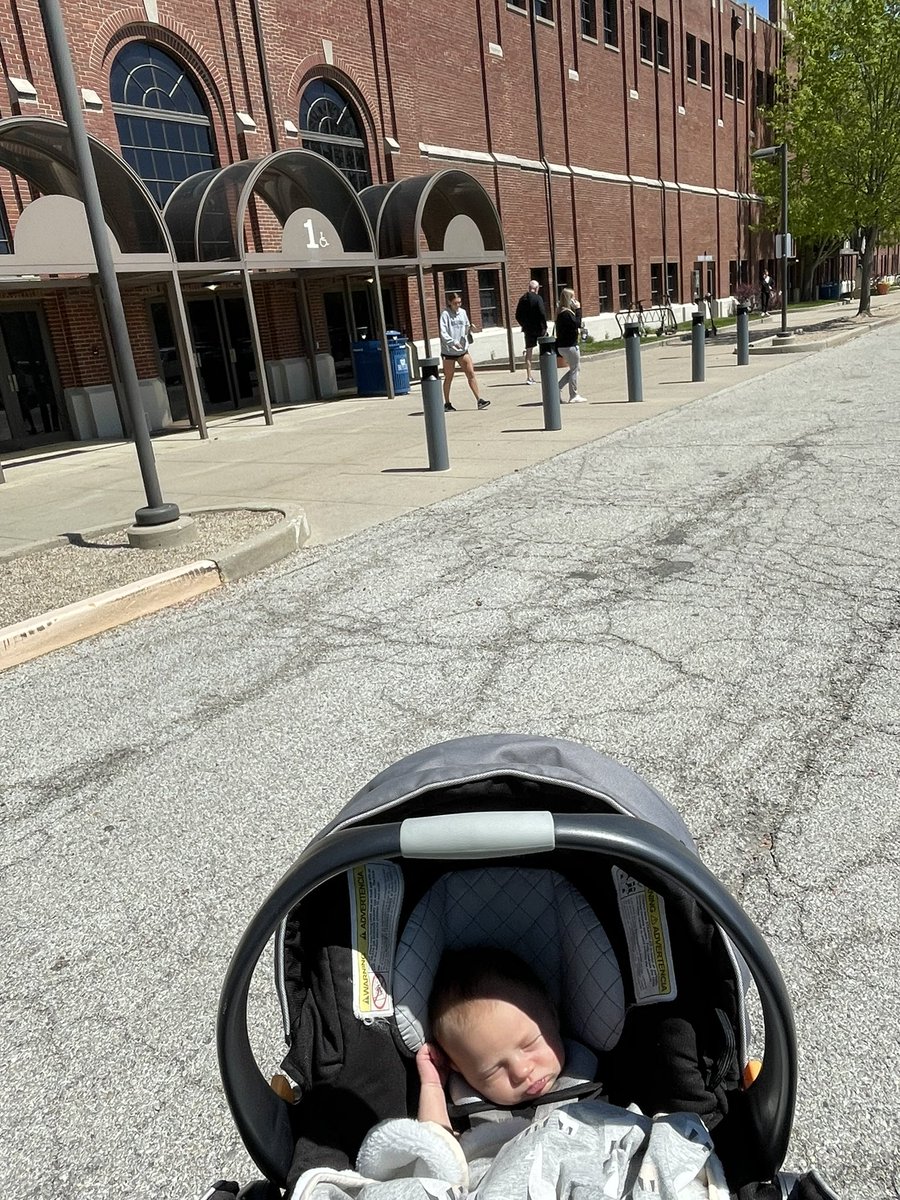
[(578, 400), (530, 382)]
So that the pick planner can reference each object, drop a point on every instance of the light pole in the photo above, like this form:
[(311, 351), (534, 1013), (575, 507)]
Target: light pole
[(781, 153), (157, 514)]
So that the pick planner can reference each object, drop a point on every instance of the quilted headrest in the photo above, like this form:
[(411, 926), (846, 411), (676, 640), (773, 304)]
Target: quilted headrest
[(536, 914)]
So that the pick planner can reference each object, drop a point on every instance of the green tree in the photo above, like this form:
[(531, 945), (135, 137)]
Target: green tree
[(838, 109)]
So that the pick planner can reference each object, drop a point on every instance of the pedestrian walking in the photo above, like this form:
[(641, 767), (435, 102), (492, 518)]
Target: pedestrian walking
[(765, 293), (456, 337), (568, 324), (532, 318)]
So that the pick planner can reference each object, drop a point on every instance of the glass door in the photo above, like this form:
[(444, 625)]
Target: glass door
[(240, 346), (30, 412)]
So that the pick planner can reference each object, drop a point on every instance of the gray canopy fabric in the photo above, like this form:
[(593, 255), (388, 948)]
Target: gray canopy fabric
[(524, 756), (445, 217), (40, 150), (206, 213)]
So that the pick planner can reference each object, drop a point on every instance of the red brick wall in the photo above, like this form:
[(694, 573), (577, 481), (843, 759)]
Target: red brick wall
[(427, 76)]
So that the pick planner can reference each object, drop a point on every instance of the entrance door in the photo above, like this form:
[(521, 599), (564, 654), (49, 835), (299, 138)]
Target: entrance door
[(339, 337), (30, 412), (220, 331), (346, 327)]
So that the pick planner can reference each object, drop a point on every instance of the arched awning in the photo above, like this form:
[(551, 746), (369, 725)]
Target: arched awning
[(439, 220), (323, 225), (51, 235)]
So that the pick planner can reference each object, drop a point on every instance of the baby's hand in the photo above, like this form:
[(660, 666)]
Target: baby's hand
[(432, 1065)]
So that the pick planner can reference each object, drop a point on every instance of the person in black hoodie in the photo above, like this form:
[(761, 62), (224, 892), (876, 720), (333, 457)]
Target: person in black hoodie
[(532, 317), (568, 327)]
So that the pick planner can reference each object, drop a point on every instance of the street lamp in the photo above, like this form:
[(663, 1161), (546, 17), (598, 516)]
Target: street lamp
[(158, 515), (781, 152)]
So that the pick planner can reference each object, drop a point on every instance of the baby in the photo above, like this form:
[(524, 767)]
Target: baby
[(494, 1024)]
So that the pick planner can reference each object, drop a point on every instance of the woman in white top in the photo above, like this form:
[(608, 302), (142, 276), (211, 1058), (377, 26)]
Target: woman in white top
[(455, 326)]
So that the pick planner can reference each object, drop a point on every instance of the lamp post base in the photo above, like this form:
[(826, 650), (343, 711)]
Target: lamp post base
[(159, 537)]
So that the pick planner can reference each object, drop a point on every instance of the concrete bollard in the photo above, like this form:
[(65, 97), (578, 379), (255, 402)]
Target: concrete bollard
[(632, 334), (549, 383), (743, 335), (698, 348), (435, 421)]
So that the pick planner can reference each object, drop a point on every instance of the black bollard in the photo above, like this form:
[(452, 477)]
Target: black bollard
[(743, 335), (633, 375), (549, 383), (698, 348), (435, 422)]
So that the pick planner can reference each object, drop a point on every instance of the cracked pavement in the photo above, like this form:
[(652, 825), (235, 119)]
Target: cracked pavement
[(711, 597)]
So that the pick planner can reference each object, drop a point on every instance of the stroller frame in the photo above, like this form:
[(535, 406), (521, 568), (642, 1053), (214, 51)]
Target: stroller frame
[(262, 1117)]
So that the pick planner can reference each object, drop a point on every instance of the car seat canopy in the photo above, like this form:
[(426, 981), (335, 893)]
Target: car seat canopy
[(536, 914)]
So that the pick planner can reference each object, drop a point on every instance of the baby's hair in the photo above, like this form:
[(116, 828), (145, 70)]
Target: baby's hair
[(480, 973)]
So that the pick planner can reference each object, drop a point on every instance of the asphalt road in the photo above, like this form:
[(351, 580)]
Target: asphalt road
[(710, 597)]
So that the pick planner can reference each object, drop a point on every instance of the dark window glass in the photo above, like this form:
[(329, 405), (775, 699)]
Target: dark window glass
[(624, 285), (646, 26), (542, 275), (611, 22), (158, 108), (738, 79), (565, 277), (544, 8), (672, 283), (662, 43), (338, 133), (759, 95), (690, 56), (489, 298), (705, 64), (604, 288), (770, 90), (732, 275), (656, 283), (729, 75), (589, 18), (5, 239), (456, 281)]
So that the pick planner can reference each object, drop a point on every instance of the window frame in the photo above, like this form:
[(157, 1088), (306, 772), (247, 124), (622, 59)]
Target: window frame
[(661, 44), (611, 23), (588, 18), (338, 148), (625, 294), (153, 137), (645, 36), (690, 57), (604, 288), (491, 286), (728, 75), (740, 81), (705, 64)]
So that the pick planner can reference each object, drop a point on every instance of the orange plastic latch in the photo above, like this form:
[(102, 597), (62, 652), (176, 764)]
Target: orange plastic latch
[(751, 1070)]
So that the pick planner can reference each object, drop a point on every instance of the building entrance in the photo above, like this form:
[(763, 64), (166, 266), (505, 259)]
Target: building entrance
[(350, 316), (220, 331), (30, 412)]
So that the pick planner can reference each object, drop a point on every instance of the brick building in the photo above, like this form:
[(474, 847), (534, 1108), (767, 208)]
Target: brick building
[(613, 137)]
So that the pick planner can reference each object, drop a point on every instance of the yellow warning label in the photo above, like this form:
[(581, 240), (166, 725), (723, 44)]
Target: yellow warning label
[(376, 890), (643, 914)]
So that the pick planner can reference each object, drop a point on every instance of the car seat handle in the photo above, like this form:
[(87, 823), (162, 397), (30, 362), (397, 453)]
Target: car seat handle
[(263, 1118)]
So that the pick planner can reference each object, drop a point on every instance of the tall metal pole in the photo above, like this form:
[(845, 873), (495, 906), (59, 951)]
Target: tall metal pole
[(157, 512), (783, 332)]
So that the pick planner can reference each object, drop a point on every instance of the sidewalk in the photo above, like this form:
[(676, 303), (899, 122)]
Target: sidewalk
[(354, 463)]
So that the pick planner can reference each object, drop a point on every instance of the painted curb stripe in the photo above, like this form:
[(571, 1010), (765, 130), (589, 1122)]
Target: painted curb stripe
[(73, 623)]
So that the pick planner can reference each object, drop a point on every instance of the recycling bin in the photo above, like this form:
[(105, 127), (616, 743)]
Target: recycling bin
[(369, 368)]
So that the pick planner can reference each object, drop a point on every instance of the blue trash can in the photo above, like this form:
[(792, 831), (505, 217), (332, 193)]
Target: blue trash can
[(399, 361), (368, 368), (829, 291)]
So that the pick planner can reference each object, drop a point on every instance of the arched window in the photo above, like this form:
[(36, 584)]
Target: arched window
[(330, 126), (161, 119)]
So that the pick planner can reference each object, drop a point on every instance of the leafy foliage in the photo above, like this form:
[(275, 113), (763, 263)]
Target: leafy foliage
[(838, 109)]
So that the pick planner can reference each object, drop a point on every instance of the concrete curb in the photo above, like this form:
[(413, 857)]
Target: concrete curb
[(35, 636)]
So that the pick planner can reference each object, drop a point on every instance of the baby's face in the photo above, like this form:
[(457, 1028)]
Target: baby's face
[(504, 1052)]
